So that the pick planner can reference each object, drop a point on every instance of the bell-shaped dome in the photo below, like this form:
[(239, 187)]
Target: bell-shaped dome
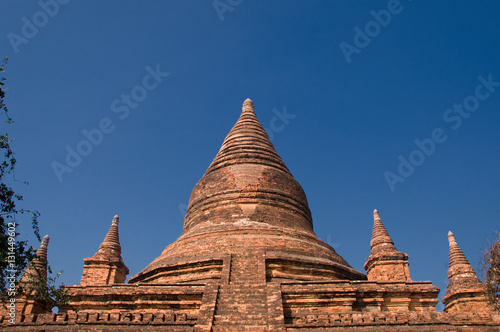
[(248, 182), (248, 203)]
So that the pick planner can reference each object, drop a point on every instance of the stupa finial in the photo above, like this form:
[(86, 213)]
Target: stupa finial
[(115, 221), (248, 106)]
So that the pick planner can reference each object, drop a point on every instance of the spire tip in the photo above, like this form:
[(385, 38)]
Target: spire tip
[(248, 105), (451, 237)]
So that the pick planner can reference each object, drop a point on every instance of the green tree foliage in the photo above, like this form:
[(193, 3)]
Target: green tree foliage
[(16, 254), (43, 287), (491, 270)]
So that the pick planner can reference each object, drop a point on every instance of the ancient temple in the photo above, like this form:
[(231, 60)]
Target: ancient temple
[(248, 259)]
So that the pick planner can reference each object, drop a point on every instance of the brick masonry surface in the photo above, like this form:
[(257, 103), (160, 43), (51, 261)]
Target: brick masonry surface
[(249, 260)]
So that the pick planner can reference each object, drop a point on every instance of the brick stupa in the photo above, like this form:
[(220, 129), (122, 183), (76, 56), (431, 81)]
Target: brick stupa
[(248, 208), (249, 260)]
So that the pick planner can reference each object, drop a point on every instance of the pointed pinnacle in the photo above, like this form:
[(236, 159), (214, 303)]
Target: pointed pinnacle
[(248, 106), (40, 260), (115, 221), (45, 241), (42, 251), (247, 142), (112, 236), (380, 234), (461, 276), (456, 256), (110, 246), (451, 237)]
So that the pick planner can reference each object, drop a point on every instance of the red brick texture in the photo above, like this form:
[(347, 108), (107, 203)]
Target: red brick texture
[(249, 260), (247, 200), (385, 262), (465, 292), (106, 266)]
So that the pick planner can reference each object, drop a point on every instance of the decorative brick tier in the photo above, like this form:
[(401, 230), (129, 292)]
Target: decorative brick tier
[(257, 306)]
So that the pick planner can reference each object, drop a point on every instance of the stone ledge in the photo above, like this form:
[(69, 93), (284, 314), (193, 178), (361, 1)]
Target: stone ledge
[(107, 318)]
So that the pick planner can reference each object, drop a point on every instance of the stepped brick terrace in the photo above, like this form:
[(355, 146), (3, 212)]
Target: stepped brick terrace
[(249, 260)]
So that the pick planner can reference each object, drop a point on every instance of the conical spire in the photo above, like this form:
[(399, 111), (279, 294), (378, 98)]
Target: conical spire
[(32, 293), (247, 142), (459, 267), (380, 237), (110, 247), (40, 259), (106, 266), (456, 256), (38, 266), (385, 262), (465, 292)]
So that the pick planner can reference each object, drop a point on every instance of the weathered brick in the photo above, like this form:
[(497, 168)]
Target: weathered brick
[(248, 259)]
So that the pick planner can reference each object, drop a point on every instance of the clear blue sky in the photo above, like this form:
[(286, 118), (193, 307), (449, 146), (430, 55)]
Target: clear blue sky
[(360, 92)]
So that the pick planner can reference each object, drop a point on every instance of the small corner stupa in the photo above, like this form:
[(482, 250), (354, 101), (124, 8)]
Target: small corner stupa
[(106, 266), (465, 292), (385, 262), (248, 260)]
